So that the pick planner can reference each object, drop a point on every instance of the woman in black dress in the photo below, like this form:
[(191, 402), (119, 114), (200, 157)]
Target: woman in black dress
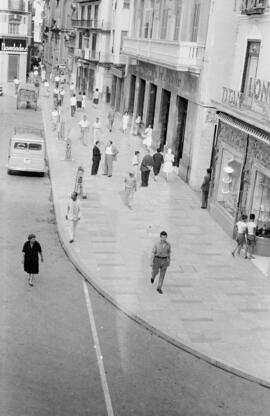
[(31, 250)]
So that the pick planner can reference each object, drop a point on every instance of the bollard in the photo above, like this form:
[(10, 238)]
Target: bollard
[(79, 183)]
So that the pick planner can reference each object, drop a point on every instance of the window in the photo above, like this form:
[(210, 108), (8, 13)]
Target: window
[(164, 23), (148, 24), (178, 14), (35, 146), (261, 201), (195, 23), (89, 12), (251, 64), (124, 33), (16, 5), (13, 28), (82, 12), (229, 183), (20, 146), (126, 4)]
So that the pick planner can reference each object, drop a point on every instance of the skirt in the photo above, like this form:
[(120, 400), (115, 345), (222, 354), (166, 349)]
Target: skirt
[(95, 100)]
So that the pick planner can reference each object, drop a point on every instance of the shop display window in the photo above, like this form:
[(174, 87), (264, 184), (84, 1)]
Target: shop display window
[(229, 183), (261, 203)]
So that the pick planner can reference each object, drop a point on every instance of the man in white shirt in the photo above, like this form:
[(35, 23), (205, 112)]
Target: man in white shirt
[(73, 103), (241, 230), (84, 125), (110, 155), (62, 95), (57, 80), (73, 214), (96, 130), (71, 89), (16, 84), (251, 237)]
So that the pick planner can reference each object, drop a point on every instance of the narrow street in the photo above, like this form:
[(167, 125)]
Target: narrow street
[(49, 363)]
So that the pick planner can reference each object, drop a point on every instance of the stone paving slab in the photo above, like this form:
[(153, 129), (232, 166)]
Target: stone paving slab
[(213, 305)]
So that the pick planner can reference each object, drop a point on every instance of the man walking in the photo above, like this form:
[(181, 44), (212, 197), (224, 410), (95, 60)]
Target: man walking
[(110, 156), (146, 165), (111, 118), (241, 230), (205, 188), (16, 84), (158, 161), (161, 258), (251, 237), (96, 129), (73, 103), (96, 157), (84, 126), (73, 214)]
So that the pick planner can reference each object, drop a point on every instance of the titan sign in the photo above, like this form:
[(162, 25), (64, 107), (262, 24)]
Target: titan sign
[(258, 90), (13, 45)]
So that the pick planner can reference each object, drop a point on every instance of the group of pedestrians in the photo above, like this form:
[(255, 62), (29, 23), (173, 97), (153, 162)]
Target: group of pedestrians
[(245, 231)]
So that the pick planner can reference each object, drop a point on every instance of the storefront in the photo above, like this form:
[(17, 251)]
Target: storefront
[(241, 177), (117, 88), (13, 58)]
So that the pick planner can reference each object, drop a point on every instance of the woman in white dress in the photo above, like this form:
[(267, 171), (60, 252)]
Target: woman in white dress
[(125, 120), (168, 163), (148, 136)]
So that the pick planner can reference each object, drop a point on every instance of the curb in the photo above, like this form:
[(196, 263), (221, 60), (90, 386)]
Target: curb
[(86, 275)]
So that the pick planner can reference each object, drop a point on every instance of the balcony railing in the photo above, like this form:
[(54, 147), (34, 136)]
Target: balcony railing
[(181, 56), (94, 56), (91, 24), (16, 5), (250, 7)]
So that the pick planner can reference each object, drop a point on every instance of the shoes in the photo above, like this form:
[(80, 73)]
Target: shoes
[(152, 280), (71, 241), (159, 291), (232, 253), (30, 283), (109, 176)]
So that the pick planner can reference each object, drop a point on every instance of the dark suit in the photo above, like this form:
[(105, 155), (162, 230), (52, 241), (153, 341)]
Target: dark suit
[(96, 159)]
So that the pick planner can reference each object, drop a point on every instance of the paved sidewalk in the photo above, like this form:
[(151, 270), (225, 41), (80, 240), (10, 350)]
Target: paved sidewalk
[(214, 305)]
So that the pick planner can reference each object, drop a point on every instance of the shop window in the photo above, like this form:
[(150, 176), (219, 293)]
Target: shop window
[(229, 183), (261, 203), (251, 64)]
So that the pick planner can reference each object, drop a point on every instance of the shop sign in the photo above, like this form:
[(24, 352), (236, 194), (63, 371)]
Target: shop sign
[(154, 73), (13, 45), (258, 91)]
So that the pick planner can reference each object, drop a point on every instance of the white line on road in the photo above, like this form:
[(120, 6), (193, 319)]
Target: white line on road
[(98, 351)]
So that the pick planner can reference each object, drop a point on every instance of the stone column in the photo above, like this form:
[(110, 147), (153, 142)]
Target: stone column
[(137, 86), (156, 127), (126, 91), (172, 121), (146, 102)]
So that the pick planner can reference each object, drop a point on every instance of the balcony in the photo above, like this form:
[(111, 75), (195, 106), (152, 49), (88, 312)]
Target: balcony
[(183, 56), (93, 56), (91, 24), (251, 7)]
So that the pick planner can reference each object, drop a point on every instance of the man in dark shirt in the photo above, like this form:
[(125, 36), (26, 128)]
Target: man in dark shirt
[(158, 161), (161, 258), (96, 158), (205, 188), (146, 165)]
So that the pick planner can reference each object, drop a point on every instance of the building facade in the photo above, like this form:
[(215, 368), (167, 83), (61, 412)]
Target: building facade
[(241, 157), (15, 37)]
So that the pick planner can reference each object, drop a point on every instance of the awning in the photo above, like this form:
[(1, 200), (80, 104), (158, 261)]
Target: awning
[(246, 128)]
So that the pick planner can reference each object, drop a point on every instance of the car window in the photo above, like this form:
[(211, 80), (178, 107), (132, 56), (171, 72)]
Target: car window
[(20, 145), (35, 146)]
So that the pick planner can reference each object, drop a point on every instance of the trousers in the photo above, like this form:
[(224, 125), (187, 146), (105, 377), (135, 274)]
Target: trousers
[(159, 265), (145, 177), (73, 227), (108, 165)]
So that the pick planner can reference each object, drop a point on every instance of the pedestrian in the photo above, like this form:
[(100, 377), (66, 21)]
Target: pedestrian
[(111, 115), (147, 141), (158, 162), (138, 121), (73, 214), (96, 157), (79, 101), (62, 95), (16, 85), (73, 103), (83, 101), (31, 252), (96, 129), (241, 231), (55, 119), (161, 258), (51, 77), (47, 88), (43, 74), (56, 96), (57, 80), (96, 97), (145, 168), (136, 162), (130, 189), (205, 188), (110, 156), (125, 120), (250, 237), (84, 126), (168, 163), (71, 89)]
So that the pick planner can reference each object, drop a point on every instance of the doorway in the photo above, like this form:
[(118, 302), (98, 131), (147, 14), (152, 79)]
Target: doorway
[(181, 105), (132, 94), (151, 105), (141, 97), (13, 67), (164, 116)]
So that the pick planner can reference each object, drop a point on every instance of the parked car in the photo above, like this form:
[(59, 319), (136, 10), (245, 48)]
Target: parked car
[(27, 94), (27, 151)]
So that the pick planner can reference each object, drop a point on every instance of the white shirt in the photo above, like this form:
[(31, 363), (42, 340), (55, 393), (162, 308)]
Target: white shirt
[(73, 210), (62, 92), (108, 150), (241, 227), (57, 79), (16, 81), (251, 227), (97, 125), (96, 94), (84, 123), (73, 101), (72, 87), (135, 160)]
